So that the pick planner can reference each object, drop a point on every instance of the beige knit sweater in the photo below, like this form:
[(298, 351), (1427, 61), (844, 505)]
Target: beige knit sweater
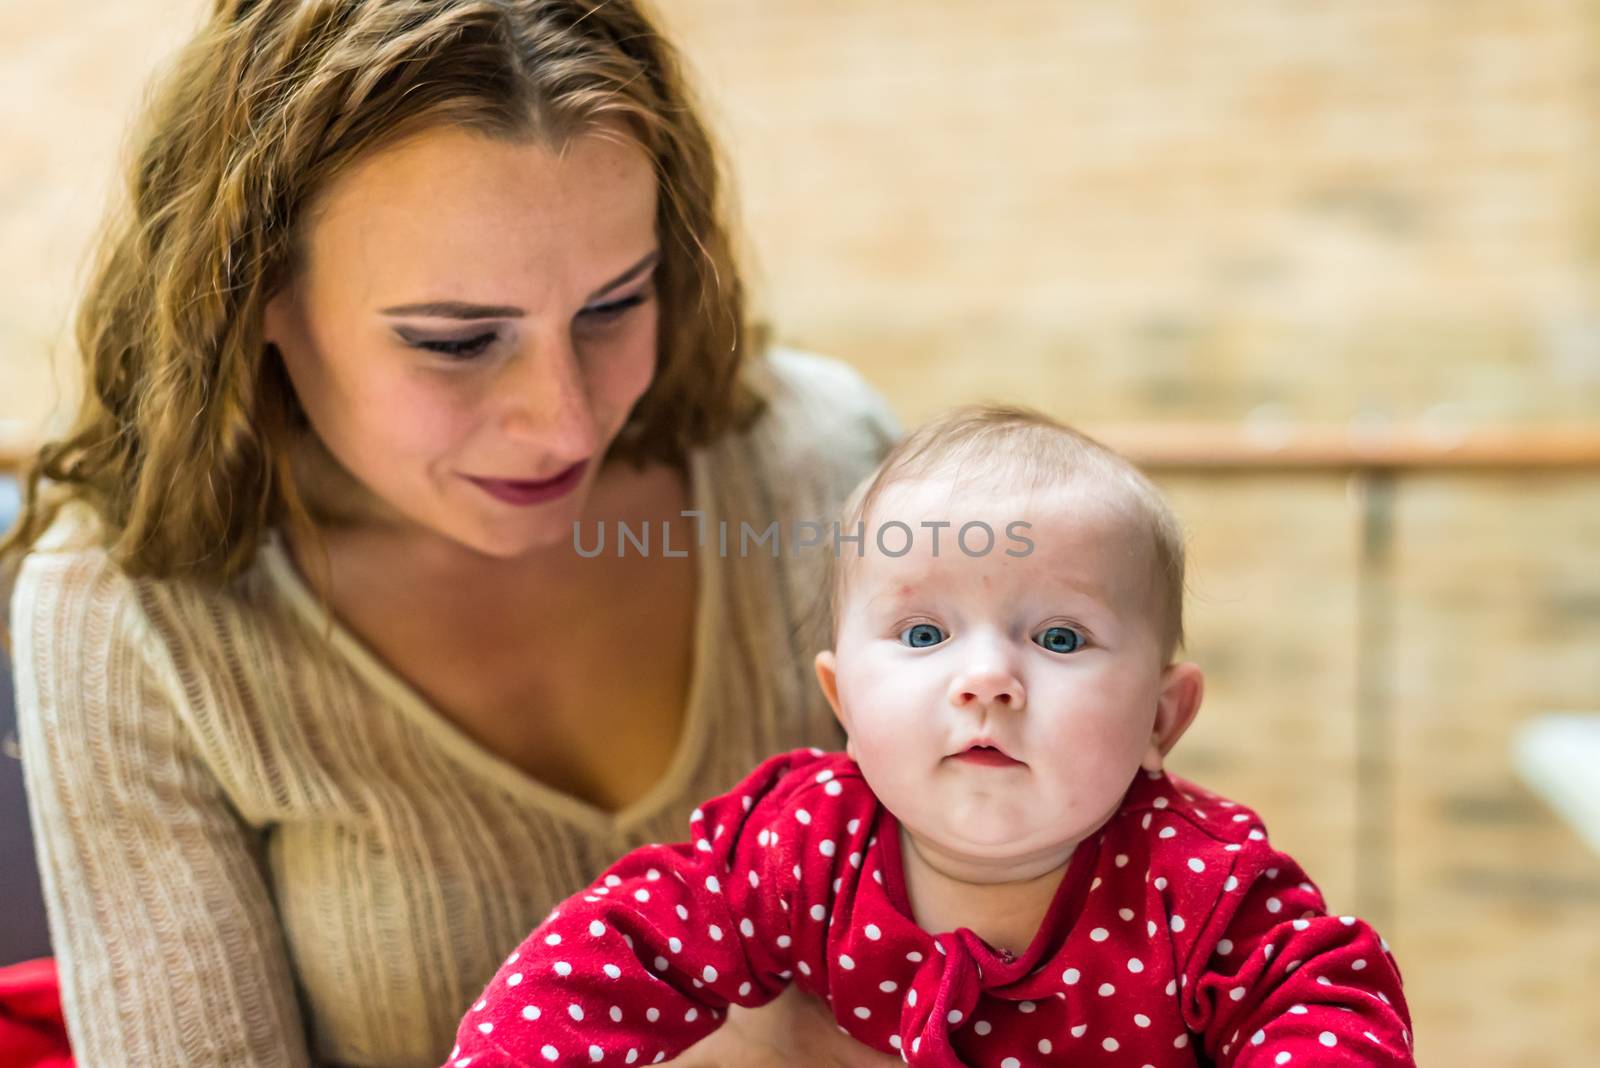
[(263, 848)]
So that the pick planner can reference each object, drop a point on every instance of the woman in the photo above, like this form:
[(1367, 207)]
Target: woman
[(321, 709)]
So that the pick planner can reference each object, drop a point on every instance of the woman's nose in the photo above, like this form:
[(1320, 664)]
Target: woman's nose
[(548, 399)]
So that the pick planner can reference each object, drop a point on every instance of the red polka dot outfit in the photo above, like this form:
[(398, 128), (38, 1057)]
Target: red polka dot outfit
[(1178, 937)]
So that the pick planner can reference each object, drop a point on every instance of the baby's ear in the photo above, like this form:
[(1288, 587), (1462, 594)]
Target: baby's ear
[(1182, 686), (827, 677)]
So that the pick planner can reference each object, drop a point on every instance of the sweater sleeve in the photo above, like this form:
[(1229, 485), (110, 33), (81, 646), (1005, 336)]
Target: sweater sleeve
[(1276, 980), (645, 962), (164, 930)]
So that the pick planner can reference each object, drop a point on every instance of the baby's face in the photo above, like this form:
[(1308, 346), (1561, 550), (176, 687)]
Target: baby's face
[(1000, 706)]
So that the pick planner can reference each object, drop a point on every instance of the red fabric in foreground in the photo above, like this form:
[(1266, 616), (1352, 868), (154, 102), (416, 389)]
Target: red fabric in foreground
[(32, 1032)]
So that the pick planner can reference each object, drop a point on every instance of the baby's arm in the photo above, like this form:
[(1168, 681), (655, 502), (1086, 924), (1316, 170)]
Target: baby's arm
[(1277, 981), (644, 963)]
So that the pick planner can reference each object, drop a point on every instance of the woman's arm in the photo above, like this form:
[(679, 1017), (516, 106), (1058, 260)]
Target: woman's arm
[(168, 944)]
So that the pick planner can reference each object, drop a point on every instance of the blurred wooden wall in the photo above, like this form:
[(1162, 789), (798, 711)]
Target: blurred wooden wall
[(1372, 214)]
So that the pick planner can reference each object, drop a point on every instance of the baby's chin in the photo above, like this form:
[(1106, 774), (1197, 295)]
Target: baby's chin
[(990, 851)]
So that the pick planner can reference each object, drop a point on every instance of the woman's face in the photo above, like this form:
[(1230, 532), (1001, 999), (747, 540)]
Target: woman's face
[(474, 318)]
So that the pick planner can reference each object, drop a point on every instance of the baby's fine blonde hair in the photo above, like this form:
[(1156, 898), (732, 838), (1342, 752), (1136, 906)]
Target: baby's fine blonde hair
[(1024, 448)]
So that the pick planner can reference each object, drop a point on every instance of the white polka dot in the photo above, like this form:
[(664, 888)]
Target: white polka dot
[(683, 913), (914, 957), (1236, 993), (661, 964), (805, 969), (833, 789), (1298, 1010), (911, 998), (1099, 934), (784, 941), (514, 978), (575, 1011), (826, 847), (888, 986), (1167, 832), (1196, 864), (1122, 860), (1258, 1038), (552, 940), (983, 1027), (652, 1015), (1176, 923), (872, 932), (862, 1012), (954, 1016), (1071, 976), (550, 1052), (612, 971), (641, 894), (818, 912), (802, 815), (1150, 928), (596, 1054), (691, 1016), (1044, 1045), (1300, 925), (1109, 1045), (485, 1027), (1160, 802), (894, 1040), (1077, 1032), (1282, 1058), (709, 974), (1327, 1038), (1010, 1062), (713, 885), (530, 1012), (1160, 883), (1180, 1042), (1106, 990), (1357, 965), (616, 1014), (1126, 914), (1141, 1019), (1225, 946), (1136, 965), (1231, 885), (846, 961), (755, 880), (479, 1006), (1026, 1006)]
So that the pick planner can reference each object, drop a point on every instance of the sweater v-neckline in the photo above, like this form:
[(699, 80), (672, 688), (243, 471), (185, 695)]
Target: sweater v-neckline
[(401, 695)]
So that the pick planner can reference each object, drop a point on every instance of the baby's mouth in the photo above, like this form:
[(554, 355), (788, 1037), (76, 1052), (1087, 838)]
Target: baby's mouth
[(987, 756)]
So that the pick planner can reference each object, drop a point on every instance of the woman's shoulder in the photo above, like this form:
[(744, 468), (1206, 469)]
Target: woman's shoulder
[(70, 573), (822, 419)]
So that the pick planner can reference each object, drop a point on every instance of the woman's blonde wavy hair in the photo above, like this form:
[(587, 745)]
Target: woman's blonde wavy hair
[(182, 440)]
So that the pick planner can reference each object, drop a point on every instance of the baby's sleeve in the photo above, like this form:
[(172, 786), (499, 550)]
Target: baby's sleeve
[(644, 963), (1274, 980)]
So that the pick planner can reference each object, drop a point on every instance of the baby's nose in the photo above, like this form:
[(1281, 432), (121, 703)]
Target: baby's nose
[(987, 686)]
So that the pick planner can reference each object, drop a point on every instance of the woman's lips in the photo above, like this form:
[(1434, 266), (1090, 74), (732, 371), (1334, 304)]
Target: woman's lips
[(987, 756), (522, 493)]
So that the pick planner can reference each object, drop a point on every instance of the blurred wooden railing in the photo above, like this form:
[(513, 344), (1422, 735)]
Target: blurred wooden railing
[(1376, 459)]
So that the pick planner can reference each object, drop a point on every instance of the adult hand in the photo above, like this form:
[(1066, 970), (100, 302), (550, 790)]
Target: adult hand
[(794, 1029)]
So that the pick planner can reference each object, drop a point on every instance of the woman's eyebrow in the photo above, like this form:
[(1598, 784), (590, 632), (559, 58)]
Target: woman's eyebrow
[(455, 309)]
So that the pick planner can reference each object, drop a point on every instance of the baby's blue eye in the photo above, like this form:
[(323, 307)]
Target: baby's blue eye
[(922, 635), (1060, 639)]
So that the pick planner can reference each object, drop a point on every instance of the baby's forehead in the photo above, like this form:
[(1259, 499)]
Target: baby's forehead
[(1070, 533)]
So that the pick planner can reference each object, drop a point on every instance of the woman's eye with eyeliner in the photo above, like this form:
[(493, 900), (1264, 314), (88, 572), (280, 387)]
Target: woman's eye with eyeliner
[(460, 348), (604, 313)]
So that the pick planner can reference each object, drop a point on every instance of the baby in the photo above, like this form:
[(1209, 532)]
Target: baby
[(998, 871)]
